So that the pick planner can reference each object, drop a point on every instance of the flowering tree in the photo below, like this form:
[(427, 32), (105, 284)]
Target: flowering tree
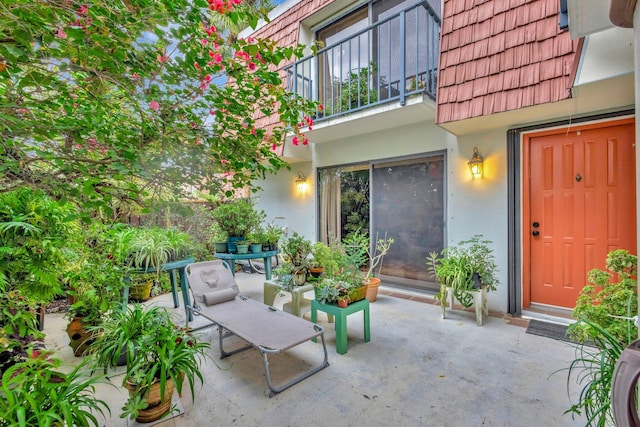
[(114, 100)]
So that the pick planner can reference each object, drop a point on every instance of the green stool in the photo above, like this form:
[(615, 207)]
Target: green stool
[(341, 320)]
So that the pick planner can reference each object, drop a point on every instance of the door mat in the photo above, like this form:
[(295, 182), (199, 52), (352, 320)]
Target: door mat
[(548, 329)]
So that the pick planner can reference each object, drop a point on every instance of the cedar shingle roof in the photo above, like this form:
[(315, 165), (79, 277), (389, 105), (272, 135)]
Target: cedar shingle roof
[(501, 55)]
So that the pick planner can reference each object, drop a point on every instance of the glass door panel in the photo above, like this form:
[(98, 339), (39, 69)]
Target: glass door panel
[(407, 203)]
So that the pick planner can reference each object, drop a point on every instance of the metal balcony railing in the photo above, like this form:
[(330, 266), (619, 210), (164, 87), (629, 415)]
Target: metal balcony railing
[(387, 61)]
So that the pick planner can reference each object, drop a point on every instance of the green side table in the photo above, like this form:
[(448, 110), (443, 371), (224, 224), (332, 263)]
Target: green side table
[(341, 320)]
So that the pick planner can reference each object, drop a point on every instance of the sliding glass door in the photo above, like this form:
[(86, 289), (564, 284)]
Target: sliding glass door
[(402, 199)]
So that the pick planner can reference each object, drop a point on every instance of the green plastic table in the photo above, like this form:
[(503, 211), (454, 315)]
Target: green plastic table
[(231, 258), (171, 268), (341, 319)]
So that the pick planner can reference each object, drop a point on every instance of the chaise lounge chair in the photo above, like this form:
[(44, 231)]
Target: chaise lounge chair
[(271, 331)]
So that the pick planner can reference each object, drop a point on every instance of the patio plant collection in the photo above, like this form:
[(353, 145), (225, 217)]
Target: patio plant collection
[(110, 108), (113, 109)]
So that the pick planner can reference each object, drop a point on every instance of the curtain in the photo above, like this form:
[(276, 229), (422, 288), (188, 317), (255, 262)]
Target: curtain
[(330, 205)]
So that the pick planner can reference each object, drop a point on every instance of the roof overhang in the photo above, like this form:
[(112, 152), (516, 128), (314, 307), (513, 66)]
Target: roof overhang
[(592, 16)]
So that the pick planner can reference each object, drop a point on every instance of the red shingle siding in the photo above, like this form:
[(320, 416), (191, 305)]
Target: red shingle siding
[(501, 55)]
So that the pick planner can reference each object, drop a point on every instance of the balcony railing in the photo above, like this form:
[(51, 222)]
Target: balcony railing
[(387, 61)]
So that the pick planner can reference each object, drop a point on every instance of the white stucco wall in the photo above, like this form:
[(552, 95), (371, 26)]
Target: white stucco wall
[(280, 197), (473, 206)]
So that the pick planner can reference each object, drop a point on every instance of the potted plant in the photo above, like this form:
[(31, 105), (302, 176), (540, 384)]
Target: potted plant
[(242, 247), (321, 257), (237, 218), (257, 239), (165, 357), (376, 254), (463, 269), (272, 236), (360, 252), (36, 393), (219, 238), (295, 250)]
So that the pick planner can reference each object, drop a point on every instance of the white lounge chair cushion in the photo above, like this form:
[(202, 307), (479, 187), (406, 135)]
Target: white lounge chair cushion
[(213, 280), (217, 297)]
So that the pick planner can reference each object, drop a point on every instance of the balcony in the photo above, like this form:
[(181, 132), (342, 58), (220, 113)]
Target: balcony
[(385, 62)]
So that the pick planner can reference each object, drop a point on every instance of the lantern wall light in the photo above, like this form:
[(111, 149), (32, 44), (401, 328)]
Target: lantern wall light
[(475, 164), (301, 182)]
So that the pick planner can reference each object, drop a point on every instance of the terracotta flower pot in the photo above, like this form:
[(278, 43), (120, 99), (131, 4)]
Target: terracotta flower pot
[(343, 303), (373, 283), (157, 406)]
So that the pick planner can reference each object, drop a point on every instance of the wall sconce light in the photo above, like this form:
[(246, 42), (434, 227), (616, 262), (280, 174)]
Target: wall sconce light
[(475, 164), (301, 182)]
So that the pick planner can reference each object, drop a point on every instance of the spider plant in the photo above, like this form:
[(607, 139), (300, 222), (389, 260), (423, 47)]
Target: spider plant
[(593, 369)]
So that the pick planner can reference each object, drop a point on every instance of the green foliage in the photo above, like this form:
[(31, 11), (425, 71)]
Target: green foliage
[(237, 217), (163, 351), (296, 249), (593, 369), (112, 101), (38, 237), (273, 234), (19, 333), (354, 200), (151, 248), (610, 293), (465, 267), (35, 393)]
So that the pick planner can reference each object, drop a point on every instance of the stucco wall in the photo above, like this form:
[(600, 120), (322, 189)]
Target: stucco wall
[(473, 206), (280, 197)]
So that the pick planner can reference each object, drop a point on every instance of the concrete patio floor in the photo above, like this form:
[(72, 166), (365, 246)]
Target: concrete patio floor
[(417, 370)]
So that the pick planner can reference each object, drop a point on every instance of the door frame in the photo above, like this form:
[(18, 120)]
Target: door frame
[(518, 288)]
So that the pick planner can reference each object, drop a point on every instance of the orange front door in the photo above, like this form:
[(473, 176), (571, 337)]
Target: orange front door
[(581, 205)]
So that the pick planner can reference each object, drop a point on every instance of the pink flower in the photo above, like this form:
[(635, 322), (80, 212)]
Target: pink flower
[(154, 105), (306, 141), (252, 66), (61, 34), (82, 10), (73, 96), (162, 58), (253, 131), (212, 112), (274, 146), (223, 161), (196, 65), (295, 141), (210, 30), (204, 41), (320, 107), (217, 58), (136, 75)]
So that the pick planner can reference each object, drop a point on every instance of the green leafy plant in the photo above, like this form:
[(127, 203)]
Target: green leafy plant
[(593, 369), (19, 332), (465, 267), (296, 250), (237, 217), (607, 302), (164, 352), (38, 237), (35, 393), (273, 234)]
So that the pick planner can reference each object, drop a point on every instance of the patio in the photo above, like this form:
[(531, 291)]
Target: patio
[(417, 370)]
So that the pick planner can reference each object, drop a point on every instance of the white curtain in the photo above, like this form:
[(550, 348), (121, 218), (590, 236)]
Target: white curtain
[(330, 206)]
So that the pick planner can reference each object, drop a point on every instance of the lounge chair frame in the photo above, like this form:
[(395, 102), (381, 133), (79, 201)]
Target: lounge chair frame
[(268, 329)]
